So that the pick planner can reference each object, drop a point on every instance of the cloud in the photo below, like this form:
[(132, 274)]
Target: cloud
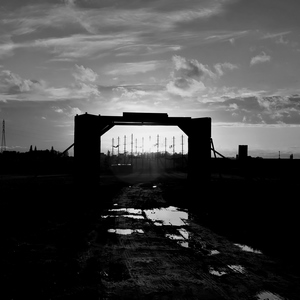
[(85, 74), (222, 67), (12, 84), (84, 82), (189, 76), (76, 46), (14, 87), (6, 46), (186, 77), (275, 35), (68, 111), (105, 26), (257, 109), (227, 36), (261, 58), (134, 67)]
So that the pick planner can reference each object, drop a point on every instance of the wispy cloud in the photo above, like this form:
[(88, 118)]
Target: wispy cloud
[(134, 67), (260, 58), (275, 35), (76, 46), (226, 36), (146, 29)]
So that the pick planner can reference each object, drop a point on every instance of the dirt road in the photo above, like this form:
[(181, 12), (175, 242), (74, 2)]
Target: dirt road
[(147, 249), (141, 236)]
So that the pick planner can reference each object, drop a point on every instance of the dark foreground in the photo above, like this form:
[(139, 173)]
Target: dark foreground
[(62, 240)]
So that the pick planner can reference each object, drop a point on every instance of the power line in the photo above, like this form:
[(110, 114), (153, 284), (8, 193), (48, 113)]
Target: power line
[(3, 140)]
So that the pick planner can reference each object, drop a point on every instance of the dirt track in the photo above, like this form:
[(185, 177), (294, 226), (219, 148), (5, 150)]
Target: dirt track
[(150, 253), (137, 239)]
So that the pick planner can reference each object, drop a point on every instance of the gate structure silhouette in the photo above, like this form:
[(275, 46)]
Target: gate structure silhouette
[(89, 129)]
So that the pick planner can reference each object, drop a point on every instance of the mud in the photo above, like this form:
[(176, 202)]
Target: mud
[(139, 238), (167, 254)]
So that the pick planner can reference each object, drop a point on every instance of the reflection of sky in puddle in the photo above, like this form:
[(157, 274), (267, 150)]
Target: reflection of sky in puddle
[(167, 216), (181, 238), (125, 216), (221, 271), (215, 272), (183, 244), (214, 252), (265, 295), (237, 268), (128, 210), (248, 249), (125, 231)]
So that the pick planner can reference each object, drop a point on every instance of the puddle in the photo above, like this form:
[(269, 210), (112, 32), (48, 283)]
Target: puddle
[(125, 231), (125, 216), (181, 238), (217, 272), (214, 252), (265, 295), (133, 216), (158, 223), (221, 271), (237, 268), (167, 216), (183, 235), (128, 210), (183, 244), (248, 249), (174, 237)]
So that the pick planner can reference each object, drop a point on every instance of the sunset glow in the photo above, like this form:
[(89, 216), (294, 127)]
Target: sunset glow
[(236, 61)]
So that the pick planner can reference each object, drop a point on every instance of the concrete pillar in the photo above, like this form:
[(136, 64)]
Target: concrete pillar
[(199, 154), (87, 147), (199, 159)]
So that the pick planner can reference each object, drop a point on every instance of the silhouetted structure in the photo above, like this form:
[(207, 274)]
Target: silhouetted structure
[(243, 152), (89, 129), (3, 139)]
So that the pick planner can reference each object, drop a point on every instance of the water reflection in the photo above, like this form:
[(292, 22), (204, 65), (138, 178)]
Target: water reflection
[(248, 249), (265, 295), (125, 231), (128, 210), (237, 268), (216, 272), (183, 244), (167, 216), (125, 216)]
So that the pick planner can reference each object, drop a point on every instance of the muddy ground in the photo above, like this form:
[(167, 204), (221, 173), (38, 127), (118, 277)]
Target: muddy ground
[(148, 236)]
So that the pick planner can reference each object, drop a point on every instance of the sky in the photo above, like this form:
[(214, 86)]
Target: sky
[(236, 61)]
